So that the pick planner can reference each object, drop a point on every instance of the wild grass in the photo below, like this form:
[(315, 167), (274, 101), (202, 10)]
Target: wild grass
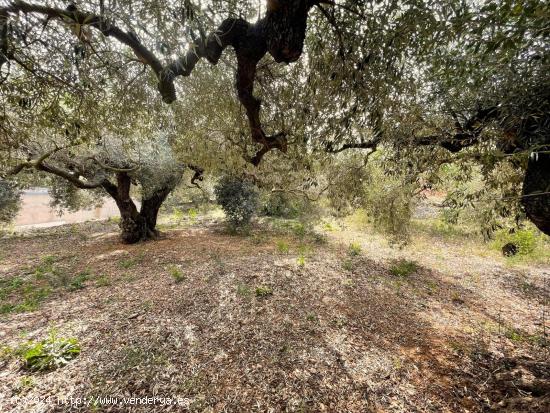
[(176, 273), (354, 249), (282, 247), (403, 268), (263, 291)]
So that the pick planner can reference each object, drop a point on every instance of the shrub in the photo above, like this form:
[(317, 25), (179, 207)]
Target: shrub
[(238, 199), (282, 247), (10, 198), (279, 204), (263, 291), (525, 240), (403, 268), (49, 354), (354, 249), (176, 273)]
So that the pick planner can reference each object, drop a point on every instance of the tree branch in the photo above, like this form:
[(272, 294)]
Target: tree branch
[(39, 165), (281, 32), (82, 18), (329, 147), (466, 135)]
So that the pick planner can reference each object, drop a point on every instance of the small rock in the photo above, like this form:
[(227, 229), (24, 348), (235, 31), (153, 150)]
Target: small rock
[(510, 249)]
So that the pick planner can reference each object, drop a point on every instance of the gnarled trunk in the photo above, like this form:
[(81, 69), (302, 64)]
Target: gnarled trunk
[(536, 188), (136, 225), (150, 208)]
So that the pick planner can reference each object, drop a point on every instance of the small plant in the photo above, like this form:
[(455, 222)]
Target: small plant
[(403, 268), (432, 287), (193, 214), (25, 383), (176, 273), (49, 260), (49, 354), (327, 226), (7, 286), (301, 261), (103, 281), (263, 291), (128, 263), (348, 282), (244, 290), (354, 249), (177, 216), (514, 335), (77, 282), (282, 247), (7, 308), (45, 267), (311, 317), (348, 265), (299, 230), (32, 298), (456, 298)]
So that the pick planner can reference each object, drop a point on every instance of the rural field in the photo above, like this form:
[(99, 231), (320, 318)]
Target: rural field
[(281, 319)]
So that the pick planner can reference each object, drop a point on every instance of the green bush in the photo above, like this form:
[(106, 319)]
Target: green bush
[(281, 205), (354, 249), (49, 354), (525, 239), (403, 268), (238, 199)]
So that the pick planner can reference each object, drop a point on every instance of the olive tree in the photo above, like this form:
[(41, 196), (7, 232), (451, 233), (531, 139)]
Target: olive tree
[(113, 170), (429, 82)]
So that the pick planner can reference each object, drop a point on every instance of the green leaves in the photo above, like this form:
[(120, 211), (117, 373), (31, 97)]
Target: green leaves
[(49, 354)]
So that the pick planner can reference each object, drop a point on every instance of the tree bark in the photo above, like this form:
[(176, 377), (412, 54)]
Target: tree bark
[(150, 208), (536, 188), (133, 226)]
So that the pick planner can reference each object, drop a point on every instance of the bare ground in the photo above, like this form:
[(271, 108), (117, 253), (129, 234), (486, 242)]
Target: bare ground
[(464, 333)]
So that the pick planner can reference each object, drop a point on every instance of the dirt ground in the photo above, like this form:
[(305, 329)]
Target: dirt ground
[(252, 327)]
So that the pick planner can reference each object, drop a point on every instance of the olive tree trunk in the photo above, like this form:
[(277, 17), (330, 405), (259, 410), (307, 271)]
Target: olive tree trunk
[(136, 225), (536, 191)]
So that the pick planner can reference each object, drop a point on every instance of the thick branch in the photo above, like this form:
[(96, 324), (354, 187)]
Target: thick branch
[(39, 164), (197, 176), (466, 135), (230, 33), (281, 32), (3, 38), (75, 16), (329, 147)]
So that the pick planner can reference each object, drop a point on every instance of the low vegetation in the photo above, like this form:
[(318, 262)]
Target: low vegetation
[(289, 295), (403, 268), (48, 354)]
